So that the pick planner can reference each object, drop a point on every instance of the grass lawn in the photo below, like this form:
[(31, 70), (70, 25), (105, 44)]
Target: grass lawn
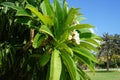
[(104, 75)]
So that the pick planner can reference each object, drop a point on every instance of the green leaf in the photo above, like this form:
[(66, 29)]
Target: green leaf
[(48, 73), (86, 35), (64, 73), (85, 52), (64, 36), (86, 61), (80, 26), (93, 41), (89, 35), (47, 8), (84, 30), (22, 19), (70, 65), (89, 46), (83, 75), (38, 40), (55, 65), (11, 5), (65, 9), (44, 59), (66, 48), (58, 10), (45, 29), (45, 19), (43, 7), (20, 10), (71, 15)]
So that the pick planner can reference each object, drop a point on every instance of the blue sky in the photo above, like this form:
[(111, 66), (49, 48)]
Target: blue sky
[(103, 14)]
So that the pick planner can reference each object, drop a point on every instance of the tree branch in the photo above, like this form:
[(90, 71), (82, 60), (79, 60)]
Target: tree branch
[(29, 43)]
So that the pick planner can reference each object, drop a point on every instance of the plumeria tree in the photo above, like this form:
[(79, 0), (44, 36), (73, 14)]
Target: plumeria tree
[(44, 40)]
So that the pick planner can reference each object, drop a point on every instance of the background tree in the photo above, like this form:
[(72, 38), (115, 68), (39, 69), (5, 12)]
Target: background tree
[(38, 41), (109, 47)]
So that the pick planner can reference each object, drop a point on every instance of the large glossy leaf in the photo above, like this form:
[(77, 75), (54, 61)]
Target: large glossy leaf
[(86, 35), (65, 9), (89, 35), (20, 10), (83, 75), (55, 65), (86, 61), (47, 8), (66, 48), (64, 36), (80, 26), (58, 11), (38, 40), (44, 59), (63, 73), (45, 19), (46, 29), (89, 46), (43, 7), (94, 41), (71, 15), (70, 65), (84, 52), (11, 5)]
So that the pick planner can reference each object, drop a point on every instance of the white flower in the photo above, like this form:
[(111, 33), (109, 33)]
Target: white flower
[(92, 30), (75, 36), (1, 7)]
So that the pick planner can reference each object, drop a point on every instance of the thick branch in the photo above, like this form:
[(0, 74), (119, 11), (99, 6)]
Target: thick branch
[(29, 43)]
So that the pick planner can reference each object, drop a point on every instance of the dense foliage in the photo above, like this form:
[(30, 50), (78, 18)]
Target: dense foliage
[(110, 50), (38, 41)]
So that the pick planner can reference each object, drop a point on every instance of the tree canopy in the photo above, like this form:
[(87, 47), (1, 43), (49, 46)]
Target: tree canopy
[(110, 46)]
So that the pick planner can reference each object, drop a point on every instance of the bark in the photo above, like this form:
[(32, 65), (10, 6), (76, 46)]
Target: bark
[(107, 62)]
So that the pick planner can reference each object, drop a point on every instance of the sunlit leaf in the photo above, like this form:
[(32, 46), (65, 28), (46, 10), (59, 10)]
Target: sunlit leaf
[(71, 15), (55, 65), (47, 7), (86, 61), (89, 46), (45, 19), (88, 35), (66, 48), (38, 40), (64, 36), (70, 65), (94, 41), (83, 74), (58, 10), (45, 29), (84, 52), (80, 26)]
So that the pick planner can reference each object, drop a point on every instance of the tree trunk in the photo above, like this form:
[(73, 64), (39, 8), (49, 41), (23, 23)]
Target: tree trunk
[(107, 62)]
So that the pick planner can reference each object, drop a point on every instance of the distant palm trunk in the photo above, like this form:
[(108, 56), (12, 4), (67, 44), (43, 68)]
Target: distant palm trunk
[(107, 62)]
